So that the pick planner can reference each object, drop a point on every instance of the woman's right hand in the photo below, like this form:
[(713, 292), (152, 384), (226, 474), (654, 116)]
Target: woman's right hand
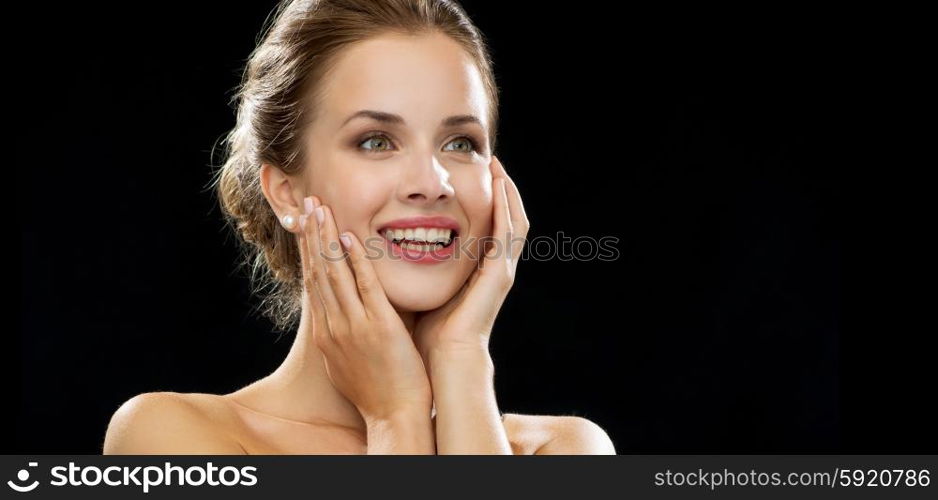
[(369, 354)]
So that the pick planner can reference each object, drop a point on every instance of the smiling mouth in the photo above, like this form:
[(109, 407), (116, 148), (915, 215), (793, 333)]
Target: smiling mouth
[(421, 239)]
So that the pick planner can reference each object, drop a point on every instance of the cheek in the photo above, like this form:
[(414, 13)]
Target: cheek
[(475, 196), (354, 196)]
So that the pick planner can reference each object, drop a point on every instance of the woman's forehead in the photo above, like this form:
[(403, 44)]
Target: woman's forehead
[(419, 78)]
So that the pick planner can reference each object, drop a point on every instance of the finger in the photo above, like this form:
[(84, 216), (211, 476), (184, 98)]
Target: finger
[(501, 231), (481, 296), (508, 230), (519, 216), (312, 297), (321, 283), (519, 219), (372, 293), (339, 273)]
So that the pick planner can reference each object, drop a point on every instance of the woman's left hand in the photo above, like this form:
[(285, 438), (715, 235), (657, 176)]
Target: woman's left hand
[(465, 322)]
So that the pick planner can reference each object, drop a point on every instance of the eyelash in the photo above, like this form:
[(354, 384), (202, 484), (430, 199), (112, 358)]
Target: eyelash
[(472, 142)]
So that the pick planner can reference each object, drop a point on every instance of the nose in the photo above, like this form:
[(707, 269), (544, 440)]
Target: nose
[(425, 181)]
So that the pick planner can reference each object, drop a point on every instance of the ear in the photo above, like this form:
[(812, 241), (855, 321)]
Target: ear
[(284, 193)]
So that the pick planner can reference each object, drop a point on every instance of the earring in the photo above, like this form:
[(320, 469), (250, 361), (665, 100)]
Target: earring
[(289, 221)]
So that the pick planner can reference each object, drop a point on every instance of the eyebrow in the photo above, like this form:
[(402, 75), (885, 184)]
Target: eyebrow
[(391, 118)]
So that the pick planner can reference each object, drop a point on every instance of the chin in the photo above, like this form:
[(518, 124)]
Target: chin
[(418, 288), (405, 297)]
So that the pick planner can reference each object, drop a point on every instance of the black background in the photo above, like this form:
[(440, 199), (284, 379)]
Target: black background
[(705, 142)]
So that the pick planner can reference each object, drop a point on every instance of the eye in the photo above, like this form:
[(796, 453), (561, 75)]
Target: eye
[(381, 140), (469, 143)]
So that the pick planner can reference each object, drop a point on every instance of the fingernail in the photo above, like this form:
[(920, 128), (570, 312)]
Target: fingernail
[(308, 204), (319, 214), (303, 221), (346, 241)]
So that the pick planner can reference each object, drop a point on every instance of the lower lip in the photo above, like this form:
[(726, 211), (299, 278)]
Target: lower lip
[(435, 256)]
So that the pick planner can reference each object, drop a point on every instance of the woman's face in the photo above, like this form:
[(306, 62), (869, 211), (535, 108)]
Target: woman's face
[(375, 172)]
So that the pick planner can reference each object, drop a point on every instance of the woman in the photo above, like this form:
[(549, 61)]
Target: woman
[(361, 174)]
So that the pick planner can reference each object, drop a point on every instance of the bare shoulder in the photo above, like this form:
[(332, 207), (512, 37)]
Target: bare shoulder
[(556, 435), (170, 423)]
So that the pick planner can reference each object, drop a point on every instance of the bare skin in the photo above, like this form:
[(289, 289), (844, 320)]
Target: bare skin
[(373, 353), (195, 423)]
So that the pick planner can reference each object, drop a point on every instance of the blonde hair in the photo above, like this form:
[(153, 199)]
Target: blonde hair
[(279, 86)]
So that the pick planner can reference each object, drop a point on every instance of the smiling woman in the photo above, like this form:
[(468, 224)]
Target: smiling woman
[(361, 160)]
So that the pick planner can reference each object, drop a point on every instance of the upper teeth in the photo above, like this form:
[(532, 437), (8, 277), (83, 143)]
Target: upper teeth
[(428, 234)]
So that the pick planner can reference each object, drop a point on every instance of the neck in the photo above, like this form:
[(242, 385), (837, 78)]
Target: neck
[(300, 388)]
